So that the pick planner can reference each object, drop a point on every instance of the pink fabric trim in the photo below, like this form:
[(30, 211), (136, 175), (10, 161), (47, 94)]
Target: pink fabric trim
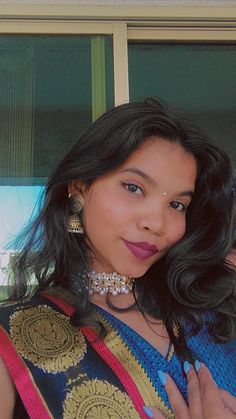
[(22, 379), (67, 308), (107, 356)]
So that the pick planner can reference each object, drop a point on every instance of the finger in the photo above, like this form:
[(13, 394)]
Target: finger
[(151, 412), (194, 394), (179, 407), (211, 400), (228, 400)]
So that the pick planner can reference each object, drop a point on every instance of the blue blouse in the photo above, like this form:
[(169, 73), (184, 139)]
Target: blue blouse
[(219, 358)]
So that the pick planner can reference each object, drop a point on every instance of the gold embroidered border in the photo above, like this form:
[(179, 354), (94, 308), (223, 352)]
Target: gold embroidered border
[(134, 369), (127, 359)]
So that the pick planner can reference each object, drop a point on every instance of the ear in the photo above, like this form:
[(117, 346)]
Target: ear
[(76, 186)]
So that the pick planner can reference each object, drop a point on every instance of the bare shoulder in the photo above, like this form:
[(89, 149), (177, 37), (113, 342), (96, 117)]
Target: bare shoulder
[(7, 393)]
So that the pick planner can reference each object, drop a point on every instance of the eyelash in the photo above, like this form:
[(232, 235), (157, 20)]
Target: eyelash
[(127, 185), (184, 208)]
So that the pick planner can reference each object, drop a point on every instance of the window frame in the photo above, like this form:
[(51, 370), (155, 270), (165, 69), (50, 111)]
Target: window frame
[(126, 23)]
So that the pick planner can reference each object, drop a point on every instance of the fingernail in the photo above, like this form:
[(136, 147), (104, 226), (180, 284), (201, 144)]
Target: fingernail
[(162, 377), (186, 367), (148, 412), (197, 365)]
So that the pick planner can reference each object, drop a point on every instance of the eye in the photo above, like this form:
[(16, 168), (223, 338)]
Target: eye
[(178, 206), (131, 187)]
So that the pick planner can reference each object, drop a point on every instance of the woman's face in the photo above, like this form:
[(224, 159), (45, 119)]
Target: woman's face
[(133, 215)]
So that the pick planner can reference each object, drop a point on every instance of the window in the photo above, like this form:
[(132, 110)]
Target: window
[(52, 87), (198, 78)]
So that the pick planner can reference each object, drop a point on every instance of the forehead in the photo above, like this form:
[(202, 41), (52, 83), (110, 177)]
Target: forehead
[(155, 148), (157, 145), (162, 158)]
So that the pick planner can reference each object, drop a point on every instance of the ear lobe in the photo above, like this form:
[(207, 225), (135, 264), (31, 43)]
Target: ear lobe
[(75, 186)]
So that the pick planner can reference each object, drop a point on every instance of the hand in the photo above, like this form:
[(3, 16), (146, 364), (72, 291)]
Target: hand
[(206, 400)]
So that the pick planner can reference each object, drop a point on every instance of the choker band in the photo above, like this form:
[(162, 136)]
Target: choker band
[(107, 283)]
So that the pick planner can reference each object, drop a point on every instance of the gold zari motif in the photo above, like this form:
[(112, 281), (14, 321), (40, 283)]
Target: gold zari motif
[(134, 369), (46, 338), (96, 399)]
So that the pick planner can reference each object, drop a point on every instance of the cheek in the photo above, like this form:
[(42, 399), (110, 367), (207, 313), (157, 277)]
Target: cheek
[(111, 215), (114, 207), (178, 231), (104, 212)]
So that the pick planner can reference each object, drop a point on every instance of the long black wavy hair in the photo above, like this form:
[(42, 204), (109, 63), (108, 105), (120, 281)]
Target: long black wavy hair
[(192, 279)]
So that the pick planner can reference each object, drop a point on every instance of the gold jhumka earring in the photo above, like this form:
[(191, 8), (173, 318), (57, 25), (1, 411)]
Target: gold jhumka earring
[(73, 223)]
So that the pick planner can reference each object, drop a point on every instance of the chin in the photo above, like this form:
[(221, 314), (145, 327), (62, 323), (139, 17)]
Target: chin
[(136, 272)]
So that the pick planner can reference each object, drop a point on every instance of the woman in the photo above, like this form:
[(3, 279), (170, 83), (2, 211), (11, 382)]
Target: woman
[(129, 255)]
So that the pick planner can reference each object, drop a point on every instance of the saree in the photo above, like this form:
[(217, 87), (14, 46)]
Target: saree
[(64, 372)]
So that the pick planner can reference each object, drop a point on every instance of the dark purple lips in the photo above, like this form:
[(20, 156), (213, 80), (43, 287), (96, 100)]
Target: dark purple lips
[(142, 250)]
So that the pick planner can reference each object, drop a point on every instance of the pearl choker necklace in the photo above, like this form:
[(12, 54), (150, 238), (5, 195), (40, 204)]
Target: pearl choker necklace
[(107, 283)]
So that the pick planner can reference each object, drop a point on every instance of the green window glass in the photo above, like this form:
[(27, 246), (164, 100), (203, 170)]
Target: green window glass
[(51, 88), (198, 78)]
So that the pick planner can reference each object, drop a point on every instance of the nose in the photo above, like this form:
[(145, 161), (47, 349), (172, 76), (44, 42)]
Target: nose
[(154, 221)]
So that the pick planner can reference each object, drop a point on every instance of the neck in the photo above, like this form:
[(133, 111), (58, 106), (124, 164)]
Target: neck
[(120, 301)]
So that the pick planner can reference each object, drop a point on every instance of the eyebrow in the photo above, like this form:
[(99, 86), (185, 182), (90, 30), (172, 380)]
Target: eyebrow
[(150, 180)]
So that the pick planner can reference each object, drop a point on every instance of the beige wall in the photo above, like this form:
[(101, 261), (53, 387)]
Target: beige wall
[(218, 3)]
